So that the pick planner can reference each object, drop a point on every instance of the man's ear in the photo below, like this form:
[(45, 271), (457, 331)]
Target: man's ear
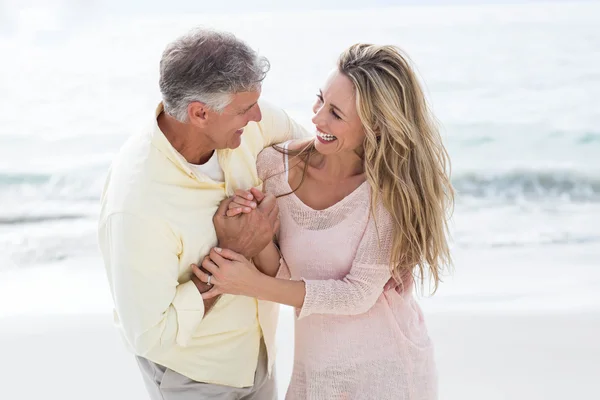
[(198, 113)]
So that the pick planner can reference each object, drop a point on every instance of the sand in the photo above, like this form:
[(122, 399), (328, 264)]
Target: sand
[(480, 356)]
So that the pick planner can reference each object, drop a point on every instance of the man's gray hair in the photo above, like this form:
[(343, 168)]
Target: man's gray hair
[(209, 67)]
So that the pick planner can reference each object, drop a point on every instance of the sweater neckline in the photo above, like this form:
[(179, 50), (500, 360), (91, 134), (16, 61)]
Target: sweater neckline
[(340, 203)]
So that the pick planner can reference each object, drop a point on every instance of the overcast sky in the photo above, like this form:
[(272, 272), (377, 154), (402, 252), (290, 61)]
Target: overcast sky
[(18, 16)]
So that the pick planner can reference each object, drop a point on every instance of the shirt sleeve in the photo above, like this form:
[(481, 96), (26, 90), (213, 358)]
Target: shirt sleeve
[(277, 127), (358, 291), (156, 313)]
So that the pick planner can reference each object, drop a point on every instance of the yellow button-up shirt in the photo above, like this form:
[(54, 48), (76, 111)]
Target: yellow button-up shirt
[(156, 220)]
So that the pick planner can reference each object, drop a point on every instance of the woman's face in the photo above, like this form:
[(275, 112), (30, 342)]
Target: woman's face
[(339, 128)]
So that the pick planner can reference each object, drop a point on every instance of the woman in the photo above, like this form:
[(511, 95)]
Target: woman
[(365, 200)]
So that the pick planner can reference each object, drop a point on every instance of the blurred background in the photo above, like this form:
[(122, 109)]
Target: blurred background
[(515, 86)]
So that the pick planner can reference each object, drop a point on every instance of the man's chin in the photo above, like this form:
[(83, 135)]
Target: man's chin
[(234, 143), (233, 146)]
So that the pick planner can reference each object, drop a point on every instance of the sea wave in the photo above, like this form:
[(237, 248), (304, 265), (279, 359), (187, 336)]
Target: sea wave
[(30, 219), (53, 217), (82, 185), (523, 184), (529, 185), (490, 241), (9, 179)]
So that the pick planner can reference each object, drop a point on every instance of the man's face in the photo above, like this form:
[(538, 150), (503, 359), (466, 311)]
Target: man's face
[(225, 130)]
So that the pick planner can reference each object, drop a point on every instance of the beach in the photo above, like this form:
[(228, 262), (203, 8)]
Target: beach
[(488, 345), (498, 357)]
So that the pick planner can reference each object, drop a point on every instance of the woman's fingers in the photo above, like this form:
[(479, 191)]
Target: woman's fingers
[(391, 284), (210, 266), (221, 254), (203, 276), (236, 204), (232, 212), (244, 198), (240, 205), (241, 202), (244, 194)]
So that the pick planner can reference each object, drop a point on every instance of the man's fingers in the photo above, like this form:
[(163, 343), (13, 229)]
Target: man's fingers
[(259, 196), (214, 292), (224, 206)]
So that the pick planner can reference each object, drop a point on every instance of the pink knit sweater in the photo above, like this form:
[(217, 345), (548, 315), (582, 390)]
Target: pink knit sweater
[(352, 340)]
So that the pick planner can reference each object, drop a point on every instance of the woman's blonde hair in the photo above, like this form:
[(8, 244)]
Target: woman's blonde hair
[(405, 161)]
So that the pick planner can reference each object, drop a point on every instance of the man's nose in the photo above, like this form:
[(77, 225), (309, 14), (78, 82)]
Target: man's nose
[(256, 114)]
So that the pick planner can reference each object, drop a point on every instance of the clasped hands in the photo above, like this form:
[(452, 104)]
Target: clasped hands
[(245, 224)]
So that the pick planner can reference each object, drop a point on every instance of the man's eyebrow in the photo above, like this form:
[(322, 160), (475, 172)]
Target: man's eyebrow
[(332, 105), (251, 105)]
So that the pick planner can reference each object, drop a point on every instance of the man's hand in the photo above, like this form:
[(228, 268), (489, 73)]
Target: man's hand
[(273, 212), (249, 233), (203, 288), (244, 201)]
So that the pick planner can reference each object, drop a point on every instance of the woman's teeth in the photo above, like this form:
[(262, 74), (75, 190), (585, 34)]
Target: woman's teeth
[(325, 136)]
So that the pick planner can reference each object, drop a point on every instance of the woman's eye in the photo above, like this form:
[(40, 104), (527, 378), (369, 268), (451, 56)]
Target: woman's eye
[(320, 101)]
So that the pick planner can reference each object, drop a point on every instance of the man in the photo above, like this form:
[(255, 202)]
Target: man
[(162, 191)]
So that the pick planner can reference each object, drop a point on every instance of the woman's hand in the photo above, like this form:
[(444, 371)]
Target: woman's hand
[(243, 202), (228, 272), (246, 201), (406, 280)]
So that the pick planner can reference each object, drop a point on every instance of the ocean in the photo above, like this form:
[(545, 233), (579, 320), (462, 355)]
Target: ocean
[(515, 88)]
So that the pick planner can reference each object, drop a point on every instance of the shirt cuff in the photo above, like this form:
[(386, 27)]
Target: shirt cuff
[(189, 305)]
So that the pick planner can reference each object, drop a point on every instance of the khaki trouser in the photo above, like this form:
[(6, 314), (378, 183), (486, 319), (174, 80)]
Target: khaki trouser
[(179, 387)]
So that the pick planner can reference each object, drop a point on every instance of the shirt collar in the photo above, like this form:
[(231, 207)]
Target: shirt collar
[(160, 141)]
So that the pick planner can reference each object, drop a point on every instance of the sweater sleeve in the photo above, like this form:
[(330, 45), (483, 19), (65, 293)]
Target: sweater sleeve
[(358, 291)]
